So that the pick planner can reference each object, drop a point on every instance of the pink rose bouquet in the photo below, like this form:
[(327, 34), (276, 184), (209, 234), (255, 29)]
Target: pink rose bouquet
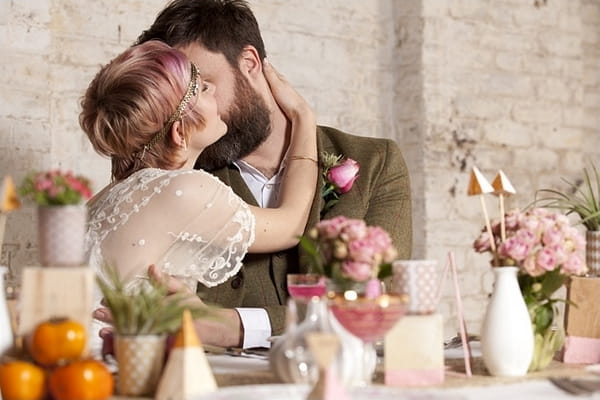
[(54, 188), (347, 250), (338, 178), (537, 241), (546, 249)]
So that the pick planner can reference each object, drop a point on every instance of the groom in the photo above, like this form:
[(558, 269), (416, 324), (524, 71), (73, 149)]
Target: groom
[(223, 39)]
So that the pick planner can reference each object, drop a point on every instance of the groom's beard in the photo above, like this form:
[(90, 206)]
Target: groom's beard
[(248, 126)]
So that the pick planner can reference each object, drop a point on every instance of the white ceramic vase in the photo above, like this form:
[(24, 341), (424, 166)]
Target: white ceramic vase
[(507, 334)]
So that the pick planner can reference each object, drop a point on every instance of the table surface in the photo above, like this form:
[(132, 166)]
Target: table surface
[(251, 378)]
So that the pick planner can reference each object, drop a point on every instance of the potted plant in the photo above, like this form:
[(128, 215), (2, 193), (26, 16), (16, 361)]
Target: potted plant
[(143, 315), (62, 217), (581, 198)]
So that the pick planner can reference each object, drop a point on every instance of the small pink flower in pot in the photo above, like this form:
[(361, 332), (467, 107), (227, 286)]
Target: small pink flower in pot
[(344, 175)]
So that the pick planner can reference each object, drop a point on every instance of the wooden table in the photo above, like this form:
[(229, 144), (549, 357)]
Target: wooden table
[(231, 373)]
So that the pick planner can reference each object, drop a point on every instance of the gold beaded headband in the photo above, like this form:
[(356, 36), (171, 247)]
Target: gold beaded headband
[(192, 90)]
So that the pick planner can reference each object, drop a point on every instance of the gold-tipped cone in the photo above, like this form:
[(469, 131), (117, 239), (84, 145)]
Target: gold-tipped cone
[(502, 185), (478, 184), (8, 196), (187, 336)]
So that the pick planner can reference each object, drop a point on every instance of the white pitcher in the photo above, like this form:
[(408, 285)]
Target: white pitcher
[(6, 332)]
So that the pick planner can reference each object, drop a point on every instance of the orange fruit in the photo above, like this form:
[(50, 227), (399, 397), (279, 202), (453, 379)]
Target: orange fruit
[(57, 341), (82, 380), (20, 380)]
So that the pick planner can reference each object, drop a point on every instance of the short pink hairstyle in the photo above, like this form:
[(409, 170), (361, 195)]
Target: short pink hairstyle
[(130, 100)]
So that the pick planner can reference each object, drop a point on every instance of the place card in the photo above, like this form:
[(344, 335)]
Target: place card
[(414, 351)]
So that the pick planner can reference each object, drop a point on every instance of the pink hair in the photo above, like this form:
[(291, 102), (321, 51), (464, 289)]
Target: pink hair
[(130, 100)]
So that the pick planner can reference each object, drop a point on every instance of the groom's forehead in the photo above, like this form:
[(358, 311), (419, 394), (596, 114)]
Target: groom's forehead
[(210, 64)]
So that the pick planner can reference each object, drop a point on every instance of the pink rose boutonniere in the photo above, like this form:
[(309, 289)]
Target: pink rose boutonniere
[(338, 176)]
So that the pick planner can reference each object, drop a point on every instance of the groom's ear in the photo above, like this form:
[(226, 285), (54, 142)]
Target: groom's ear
[(250, 64)]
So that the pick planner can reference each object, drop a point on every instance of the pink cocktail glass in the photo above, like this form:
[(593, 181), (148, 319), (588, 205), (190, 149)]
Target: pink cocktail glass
[(302, 287), (369, 319)]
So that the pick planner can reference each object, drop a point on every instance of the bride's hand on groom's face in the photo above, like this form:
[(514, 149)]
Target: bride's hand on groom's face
[(288, 99)]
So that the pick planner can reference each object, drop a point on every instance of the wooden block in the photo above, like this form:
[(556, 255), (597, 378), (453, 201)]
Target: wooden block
[(581, 350), (49, 292), (584, 319), (414, 351)]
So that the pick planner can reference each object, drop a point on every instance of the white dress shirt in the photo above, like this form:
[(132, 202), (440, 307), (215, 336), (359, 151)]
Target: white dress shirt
[(256, 323)]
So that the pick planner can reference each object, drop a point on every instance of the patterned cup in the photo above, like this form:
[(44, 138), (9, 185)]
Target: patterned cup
[(419, 280)]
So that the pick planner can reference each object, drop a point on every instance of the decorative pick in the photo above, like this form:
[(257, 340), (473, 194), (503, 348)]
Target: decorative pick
[(324, 347), (478, 186), (502, 187), (9, 201)]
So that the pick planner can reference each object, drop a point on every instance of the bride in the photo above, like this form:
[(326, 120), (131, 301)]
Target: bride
[(151, 112)]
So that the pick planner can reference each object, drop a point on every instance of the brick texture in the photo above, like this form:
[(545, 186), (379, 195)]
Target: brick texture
[(493, 83)]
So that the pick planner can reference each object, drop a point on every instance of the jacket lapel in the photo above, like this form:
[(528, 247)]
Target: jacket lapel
[(231, 176)]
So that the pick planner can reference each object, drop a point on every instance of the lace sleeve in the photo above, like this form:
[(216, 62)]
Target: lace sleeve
[(216, 234), (187, 222)]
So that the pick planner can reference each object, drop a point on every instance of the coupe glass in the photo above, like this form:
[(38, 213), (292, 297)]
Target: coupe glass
[(369, 319), (302, 287)]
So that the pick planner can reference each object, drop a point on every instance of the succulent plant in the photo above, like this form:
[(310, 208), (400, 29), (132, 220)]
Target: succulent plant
[(147, 308), (583, 199)]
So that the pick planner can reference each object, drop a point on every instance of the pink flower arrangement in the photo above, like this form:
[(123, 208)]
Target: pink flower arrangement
[(53, 188), (338, 178), (537, 241), (347, 250), (546, 249)]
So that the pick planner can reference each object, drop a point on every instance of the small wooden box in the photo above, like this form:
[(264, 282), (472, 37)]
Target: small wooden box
[(49, 292), (583, 319)]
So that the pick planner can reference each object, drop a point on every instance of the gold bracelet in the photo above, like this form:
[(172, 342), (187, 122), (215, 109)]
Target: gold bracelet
[(291, 158)]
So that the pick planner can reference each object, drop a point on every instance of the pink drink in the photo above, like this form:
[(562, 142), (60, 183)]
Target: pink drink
[(305, 292), (367, 320)]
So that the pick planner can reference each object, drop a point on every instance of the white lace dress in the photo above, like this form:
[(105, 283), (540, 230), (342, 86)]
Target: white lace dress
[(187, 222)]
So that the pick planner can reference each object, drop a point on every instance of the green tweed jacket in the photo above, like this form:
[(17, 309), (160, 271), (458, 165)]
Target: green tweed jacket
[(380, 196)]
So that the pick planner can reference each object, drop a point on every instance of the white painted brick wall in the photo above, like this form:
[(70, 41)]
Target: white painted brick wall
[(494, 83)]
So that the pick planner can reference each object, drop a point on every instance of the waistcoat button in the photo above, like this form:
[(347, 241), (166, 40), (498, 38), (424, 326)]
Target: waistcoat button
[(237, 282)]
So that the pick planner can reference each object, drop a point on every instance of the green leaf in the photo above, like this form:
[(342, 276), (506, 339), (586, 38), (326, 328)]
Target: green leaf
[(311, 249), (543, 318), (385, 270), (579, 198), (551, 282)]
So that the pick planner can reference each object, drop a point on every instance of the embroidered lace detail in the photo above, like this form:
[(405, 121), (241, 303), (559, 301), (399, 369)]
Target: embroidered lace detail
[(193, 226)]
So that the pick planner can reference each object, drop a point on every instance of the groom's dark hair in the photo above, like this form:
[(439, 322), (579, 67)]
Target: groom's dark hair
[(221, 26)]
